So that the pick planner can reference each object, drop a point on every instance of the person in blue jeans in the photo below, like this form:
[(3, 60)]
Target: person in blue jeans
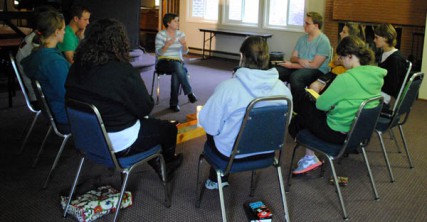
[(309, 60), (170, 46)]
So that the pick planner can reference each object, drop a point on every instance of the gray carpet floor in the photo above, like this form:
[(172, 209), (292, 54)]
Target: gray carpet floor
[(311, 198)]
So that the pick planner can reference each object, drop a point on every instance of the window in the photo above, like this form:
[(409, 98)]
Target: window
[(204, 9), (277, 14), (285, 13), (242, 12)]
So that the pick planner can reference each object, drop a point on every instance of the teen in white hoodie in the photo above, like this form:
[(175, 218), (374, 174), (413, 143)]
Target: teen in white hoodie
[(222, 115)]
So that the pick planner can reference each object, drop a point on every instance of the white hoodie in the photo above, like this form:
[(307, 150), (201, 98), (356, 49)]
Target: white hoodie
[(222, 114)]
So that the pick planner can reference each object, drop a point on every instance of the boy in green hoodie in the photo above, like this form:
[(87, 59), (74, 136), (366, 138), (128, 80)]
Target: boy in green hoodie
[(331, 117)]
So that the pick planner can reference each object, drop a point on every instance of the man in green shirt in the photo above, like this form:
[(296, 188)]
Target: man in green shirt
[(74, 31)]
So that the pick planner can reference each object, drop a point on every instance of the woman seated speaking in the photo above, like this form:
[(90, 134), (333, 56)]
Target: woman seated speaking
[(102, 75), (170, 45), (330, 118), (223, 113)]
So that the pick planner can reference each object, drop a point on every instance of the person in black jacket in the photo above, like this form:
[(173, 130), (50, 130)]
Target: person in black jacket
[(102, 75), (391, 59)]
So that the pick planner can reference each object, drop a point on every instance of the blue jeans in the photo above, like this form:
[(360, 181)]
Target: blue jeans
[(179, 74), (299, 79)]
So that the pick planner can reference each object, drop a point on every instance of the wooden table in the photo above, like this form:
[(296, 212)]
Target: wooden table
[(213, 32)]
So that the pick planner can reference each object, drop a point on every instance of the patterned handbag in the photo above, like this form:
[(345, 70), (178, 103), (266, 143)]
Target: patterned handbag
[(96, 203)]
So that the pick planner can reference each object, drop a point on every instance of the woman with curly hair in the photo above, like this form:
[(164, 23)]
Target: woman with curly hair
[(337, 68), (102, 75), (330, 118)]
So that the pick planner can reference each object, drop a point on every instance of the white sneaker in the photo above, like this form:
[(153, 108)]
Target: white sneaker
[(211, 185), (307, 163)]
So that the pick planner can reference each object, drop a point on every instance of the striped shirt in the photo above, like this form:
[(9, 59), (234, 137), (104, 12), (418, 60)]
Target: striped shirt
[(175, 50)]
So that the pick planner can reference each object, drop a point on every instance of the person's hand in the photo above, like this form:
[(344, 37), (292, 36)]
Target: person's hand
[(317, 86), (286, 64), (169, 42), (183, 41), (80, 33), (304, 63)]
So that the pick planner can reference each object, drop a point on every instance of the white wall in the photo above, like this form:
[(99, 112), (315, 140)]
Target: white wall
[(283, 41), (423, 90)]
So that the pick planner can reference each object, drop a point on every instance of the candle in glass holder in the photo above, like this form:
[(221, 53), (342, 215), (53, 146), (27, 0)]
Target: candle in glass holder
[(198, 108)]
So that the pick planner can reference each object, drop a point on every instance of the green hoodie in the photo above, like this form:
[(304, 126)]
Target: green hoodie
[(344, 96)]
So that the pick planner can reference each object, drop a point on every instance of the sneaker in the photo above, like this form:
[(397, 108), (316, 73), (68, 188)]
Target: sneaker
[(211, 185), (306, 164)]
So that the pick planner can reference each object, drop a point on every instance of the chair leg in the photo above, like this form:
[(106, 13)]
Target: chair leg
[(158, 89), (152, 83), (395, 140), (252, 188), (42, 146), (405, 145), (379, 134), (55, 162), (344, 211), (76, 179), (288, 184), (282, 191), (374, 188), (165, 181), (36, 116), (221, 196), (122, 191), (199, 183)]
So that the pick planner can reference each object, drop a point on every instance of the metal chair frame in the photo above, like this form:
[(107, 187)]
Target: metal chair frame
[(242, 146), (45, 108), (27, 102), (74, 107), (357, 138), (399, 117)]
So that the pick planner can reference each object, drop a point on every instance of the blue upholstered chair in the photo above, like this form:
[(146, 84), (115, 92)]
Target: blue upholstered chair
[(91, 139), (400, 115), (60, 130), (357, 139), (30, 106), (263, 129)]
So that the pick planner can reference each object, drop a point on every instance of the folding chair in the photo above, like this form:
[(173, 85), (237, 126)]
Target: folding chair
[(263, 129), (406, 79), (357, 139), (399, 117), (30, 106), (91, 139), (60, 129)]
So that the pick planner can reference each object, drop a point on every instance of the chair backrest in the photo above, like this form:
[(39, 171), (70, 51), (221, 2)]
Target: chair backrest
[(409, 95), (364, 124), (263, 126), (45, 108), (408, 71), (21, 83), (89, 133)]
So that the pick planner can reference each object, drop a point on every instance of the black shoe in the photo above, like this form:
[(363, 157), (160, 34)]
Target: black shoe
[(192, 98), (155, 164), (175, 108), (175, 162)]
